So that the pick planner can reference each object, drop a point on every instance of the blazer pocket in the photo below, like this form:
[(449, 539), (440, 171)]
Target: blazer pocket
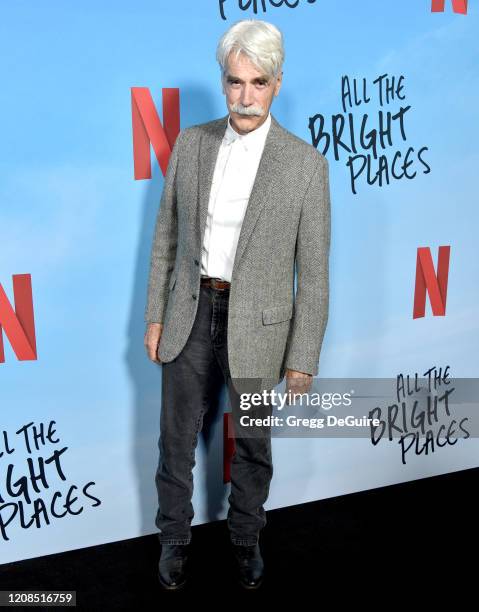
[(276, 314), (172, 281)]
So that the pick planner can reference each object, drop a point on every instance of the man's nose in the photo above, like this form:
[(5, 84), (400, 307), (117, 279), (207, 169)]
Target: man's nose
[(247, 97)]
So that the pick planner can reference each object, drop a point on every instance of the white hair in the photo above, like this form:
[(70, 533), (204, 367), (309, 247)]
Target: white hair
[(260, 41)]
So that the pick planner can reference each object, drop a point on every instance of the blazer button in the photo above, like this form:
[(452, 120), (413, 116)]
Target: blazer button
[(193, 295), (197, 263)]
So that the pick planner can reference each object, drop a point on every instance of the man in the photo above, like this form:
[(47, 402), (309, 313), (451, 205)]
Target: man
[(244, 200)]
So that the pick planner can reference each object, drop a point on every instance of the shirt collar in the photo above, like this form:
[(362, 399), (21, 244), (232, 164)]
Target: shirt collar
[(251, 139)]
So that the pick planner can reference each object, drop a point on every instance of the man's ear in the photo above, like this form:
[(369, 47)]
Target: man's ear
[(279, 80)]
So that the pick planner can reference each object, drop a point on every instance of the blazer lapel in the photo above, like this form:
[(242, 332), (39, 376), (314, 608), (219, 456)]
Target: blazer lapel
[(269, 170), (270, 167), (209, 148)]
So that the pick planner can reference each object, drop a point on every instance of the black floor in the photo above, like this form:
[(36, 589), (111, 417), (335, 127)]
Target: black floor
[(391, 537)]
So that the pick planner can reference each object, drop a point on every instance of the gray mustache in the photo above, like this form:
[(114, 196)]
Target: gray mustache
[(250, 110)]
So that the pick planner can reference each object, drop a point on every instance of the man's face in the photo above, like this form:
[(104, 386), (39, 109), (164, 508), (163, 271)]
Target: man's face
[(249, 93)]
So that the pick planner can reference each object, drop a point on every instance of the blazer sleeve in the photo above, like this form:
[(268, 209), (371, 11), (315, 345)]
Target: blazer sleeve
[(163, 250), (311, 304)]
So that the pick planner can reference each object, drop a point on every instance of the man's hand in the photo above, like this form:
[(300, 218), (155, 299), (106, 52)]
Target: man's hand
[(297, 382), (152, 339)]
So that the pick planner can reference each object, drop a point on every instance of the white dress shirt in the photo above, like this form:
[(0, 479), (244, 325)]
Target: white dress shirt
[(234, 175)]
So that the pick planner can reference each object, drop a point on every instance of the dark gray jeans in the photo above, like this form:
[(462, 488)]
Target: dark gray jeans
[(189, 388)]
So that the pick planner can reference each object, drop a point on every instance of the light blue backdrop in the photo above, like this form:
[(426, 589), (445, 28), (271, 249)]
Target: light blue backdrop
[(74, 218)]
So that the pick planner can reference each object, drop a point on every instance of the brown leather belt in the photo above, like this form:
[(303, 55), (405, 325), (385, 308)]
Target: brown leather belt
[(214, 283)]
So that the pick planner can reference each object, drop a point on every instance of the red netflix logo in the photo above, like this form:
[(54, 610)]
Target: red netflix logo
[(18, 324), (458, 6), (147, 129), (427, 280)]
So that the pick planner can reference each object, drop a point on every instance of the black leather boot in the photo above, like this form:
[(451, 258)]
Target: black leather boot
[(249, 564), (172, 566)]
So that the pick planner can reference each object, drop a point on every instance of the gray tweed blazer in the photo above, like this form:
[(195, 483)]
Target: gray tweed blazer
[(287, 223)]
